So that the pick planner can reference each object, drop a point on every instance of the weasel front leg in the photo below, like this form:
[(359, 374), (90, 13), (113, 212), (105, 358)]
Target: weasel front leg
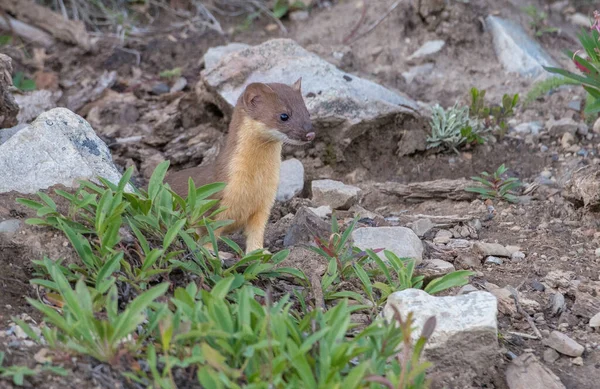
[(255, 230)]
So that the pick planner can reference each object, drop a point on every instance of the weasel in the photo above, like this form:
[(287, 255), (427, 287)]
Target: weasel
[(265, 117)]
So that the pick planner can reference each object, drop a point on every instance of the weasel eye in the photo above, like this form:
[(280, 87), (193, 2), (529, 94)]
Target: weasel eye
[(284, 117)]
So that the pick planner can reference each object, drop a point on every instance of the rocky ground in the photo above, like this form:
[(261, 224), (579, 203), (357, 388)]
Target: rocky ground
[(539, 257)]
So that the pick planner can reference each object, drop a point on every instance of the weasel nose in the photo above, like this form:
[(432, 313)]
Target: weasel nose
[(310, 136)]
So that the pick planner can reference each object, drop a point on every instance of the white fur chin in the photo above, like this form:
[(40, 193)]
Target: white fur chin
[(281, 137)]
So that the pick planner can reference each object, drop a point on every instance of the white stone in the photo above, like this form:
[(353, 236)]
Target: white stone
[(595, 321), (563, 344), (291, 179), (401, 241), (323, 211), (442, 237), (516, 50), (428, 48), (214, 54), (336, 194), (466, 322), (59, 147)]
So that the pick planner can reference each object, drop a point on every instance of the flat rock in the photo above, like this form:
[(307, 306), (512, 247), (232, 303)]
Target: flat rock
[(506, 303), (562, 126), (9, 226), (442, 237), (428, 48), (516, 50), (550, 355), (492, 249), (33, 104), (336, 194), (563, 344), (343, 105), (528, 128), (433, 268), (595, 321), (323, 211), (401, 241), (59, 147), (527, 372), (422, 226), (587, 302), (291, 179), (304, 227), (467, 323)]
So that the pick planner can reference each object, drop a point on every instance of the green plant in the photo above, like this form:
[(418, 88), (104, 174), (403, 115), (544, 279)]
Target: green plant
[(589, 68), (540, 88), (496, 186), (492, 117), (171, 73), (453, 128), (22, 83), (5, 40), (18, 373), (282, 7), (539, 21)]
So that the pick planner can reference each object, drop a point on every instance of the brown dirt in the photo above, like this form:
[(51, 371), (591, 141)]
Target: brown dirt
[(552, 232)]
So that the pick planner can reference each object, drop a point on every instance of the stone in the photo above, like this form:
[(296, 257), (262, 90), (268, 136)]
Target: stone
[(596, 127), (401, 241), (299, 16), (580, 20), (577, 361), (491, 260), (304, 227), (422, 226), (550, 355), (467, 261), (559, 279), (536, 285), (506, 303), (428, 48), (587, 302), (442, 237), (491, 249), (595, 321), (291, 179), (516, 50), (517, 256), (467, 289), (336, 194), (33, 104), (8, 106), (528, 128), (323, 211), (9, 226), (59, 147), (433, 268), (466, 322), (178, 85), (557, 303), (559, 127), (416, 71), (575, 105), (342, 105), (149, 164), (214, 54), (563, 344), (567, 140), (160, 89), (527, 372)]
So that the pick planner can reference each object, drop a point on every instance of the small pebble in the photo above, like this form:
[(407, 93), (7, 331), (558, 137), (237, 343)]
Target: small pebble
[(550, 355), (494, 260), (538, 286), (577, 361), (517, 256), (160, 89)]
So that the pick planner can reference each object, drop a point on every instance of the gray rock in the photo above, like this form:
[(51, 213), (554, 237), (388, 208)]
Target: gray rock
[(536, 285), (160, 89), (595, 321), (291, 179), (32, 104), (528, 128), (587, 303), (467, 261), (428, 48), (9, 226), (492, 249), (563, 344), (323, 211), (527, 372), (580, 19), (442, 237), (577, 361), (401, 241), (596, 126), (343, 105), (550, 355), (299, 16), (516, 51), (422, 226), (557, 303), (494, 260), (178, 85), (559, 127), (214, 54), (336, 194), (305, 226), (575, 105), (466, 322), (416, 71), (467, 289), (59, 147), (432, 268), (517, 256)]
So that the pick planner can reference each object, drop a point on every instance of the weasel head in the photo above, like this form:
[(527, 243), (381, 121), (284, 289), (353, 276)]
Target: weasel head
[(281, 110)]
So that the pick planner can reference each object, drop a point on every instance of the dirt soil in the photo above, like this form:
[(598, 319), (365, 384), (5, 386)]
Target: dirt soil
[(144, 126)]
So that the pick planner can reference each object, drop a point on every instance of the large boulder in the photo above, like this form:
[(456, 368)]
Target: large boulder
[(59, 147), (342, 106), (465, 339)]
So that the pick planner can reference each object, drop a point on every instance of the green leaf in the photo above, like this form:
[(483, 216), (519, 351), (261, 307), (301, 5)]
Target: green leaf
[(456, 278), (157, 179), (172, 233)]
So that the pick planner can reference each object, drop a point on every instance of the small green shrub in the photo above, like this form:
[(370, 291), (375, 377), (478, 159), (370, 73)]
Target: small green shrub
[(539, 21), (540, 88), (492, 117), (18, 373), (453, 128), (495, 186), (22, 83)]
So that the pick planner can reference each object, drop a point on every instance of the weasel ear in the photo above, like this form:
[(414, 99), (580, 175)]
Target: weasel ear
[(255, 93), (298, 84)]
